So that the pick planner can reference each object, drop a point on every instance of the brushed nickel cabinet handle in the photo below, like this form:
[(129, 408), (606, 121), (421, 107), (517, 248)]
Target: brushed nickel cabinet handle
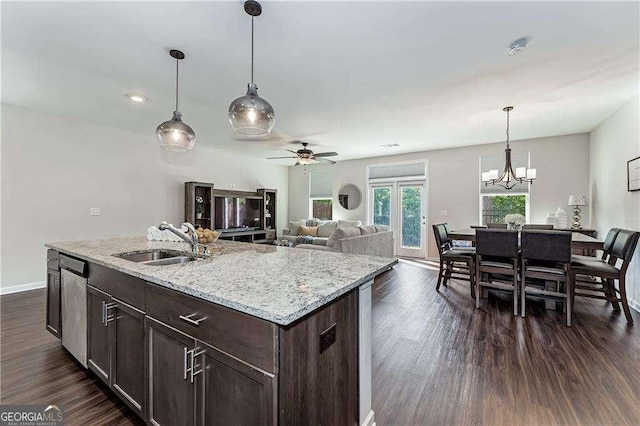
[(195, 354), (104, 313), (185, 366), (108, 318), (190, 319)]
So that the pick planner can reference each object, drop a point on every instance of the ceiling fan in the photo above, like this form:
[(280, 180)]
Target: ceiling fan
[(306, 156)]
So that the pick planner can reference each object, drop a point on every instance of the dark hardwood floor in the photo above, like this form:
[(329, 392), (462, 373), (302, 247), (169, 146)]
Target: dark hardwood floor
[(436, 360)]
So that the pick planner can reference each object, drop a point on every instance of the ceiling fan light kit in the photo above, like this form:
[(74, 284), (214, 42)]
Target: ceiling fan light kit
[(509, 178), (174, 134), (250, 115), (306, 156)]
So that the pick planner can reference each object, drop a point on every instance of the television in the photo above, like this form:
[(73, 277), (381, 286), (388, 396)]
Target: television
[(237, 213)]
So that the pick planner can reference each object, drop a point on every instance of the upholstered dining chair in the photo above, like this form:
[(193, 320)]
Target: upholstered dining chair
[(624, 245), (462, 259), (497, 259), (497, 225), (535, 226), (545, 257)]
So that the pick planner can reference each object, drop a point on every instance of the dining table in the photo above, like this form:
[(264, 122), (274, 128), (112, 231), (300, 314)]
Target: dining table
[(582, 242)]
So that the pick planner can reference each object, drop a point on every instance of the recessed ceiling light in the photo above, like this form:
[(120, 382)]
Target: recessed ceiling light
[(137, 98), (517, 47)]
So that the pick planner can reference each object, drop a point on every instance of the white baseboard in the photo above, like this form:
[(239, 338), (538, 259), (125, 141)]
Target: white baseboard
[(634, 305), (22, 287)]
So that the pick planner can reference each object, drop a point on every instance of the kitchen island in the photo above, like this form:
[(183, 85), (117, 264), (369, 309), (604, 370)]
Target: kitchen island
[(252, 334)]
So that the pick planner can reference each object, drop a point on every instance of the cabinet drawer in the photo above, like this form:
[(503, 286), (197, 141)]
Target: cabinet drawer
[(121, 286), (245, 337)]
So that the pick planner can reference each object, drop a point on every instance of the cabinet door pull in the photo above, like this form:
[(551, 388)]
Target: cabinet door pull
[(195, 353), (108, 318), (189, 318), (186, 359), (104, 313)]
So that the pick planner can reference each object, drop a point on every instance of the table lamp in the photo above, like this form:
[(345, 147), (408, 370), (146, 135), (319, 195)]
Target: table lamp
[(576, 201)]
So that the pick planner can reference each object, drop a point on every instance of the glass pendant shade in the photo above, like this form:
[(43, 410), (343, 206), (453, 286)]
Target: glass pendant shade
[(250, 115), (175, 135)]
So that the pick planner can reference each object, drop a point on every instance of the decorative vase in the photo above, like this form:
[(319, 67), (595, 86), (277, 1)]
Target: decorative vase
[(198, 215), (563, 218), (551, 219)]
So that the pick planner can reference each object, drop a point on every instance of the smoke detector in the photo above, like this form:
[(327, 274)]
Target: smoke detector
[(517, 46)]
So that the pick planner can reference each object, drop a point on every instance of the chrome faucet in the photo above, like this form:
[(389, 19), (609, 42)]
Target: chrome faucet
[(192, 239)]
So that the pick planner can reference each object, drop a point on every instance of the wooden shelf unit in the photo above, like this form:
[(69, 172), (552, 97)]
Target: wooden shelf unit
[(265, 235)]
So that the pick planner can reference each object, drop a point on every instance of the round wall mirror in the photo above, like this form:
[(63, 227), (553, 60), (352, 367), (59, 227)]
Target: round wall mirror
[(349, 196)]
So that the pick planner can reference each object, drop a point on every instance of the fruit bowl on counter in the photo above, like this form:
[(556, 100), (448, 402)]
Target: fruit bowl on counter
[(207, 236)]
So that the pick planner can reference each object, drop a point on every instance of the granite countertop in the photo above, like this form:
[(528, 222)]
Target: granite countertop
[(277, 284)]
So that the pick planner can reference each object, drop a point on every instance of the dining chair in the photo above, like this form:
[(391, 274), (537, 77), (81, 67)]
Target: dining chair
[(606, 249), (545, 257), (462, 259), (624, 245), (497, 225), (534, 226), (497, 259)]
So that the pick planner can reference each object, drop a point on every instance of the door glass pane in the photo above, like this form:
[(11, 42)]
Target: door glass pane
[(381, 205), (411, 216)]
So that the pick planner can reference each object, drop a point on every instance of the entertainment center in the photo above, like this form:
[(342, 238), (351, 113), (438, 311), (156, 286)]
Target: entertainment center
[(238, 215)]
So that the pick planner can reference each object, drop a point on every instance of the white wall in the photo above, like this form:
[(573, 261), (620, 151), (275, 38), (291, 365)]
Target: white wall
[(454, 180), (54, 169), (612, 144)]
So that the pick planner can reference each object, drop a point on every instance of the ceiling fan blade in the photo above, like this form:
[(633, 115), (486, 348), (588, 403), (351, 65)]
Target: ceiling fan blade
[(326, 154), (324, 160), (293, 152), (278, 158), (297, 163)]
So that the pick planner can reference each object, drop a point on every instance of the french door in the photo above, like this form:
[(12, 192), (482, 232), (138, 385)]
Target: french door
[(402, 207)]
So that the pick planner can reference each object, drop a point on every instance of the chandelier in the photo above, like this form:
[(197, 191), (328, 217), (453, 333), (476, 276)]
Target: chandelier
[(508, 179)]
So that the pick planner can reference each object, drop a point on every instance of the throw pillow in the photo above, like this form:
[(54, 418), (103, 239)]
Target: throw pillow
[(341, 233), (304, 239), (349, 223), (326, 228), (294, 228), (309, 230), (313, 222), (367, 229), (382, 228)]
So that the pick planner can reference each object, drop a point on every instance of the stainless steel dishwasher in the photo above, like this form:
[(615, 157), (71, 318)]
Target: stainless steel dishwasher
[(74, 307)]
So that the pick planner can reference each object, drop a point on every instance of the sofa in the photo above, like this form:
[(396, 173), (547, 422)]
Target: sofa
[(323, 230), (368, 240)]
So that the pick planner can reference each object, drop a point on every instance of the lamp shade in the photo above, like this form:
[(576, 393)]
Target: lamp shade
[(250, 115), (175, 135), (577, 200)]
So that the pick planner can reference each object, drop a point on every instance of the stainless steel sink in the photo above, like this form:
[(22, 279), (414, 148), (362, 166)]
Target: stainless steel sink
[(150, 255), (171, 261)]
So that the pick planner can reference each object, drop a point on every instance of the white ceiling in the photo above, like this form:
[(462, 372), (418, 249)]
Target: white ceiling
[(426, 75)]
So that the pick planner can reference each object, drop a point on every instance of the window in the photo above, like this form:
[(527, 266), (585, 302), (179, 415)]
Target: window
[(322, 208), (496, 207)]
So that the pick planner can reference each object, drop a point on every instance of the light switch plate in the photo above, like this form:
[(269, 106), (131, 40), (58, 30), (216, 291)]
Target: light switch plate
[(95, 211)]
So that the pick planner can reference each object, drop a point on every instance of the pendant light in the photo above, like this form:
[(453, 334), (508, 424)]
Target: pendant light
[(250, 115), (508, 179), (174, 134)]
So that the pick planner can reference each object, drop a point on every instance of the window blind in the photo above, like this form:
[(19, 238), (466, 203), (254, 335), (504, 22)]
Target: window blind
[(397, 171), (321, 184)]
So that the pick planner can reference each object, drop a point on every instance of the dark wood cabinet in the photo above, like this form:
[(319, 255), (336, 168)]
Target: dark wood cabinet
[(127, 352), (53, 302), (98, 357), (171, 393), (115, 346), (230, 392)]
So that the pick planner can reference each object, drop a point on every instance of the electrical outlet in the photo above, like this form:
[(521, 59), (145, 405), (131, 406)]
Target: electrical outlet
[(327, 338), (444, 213), (95, 211)]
